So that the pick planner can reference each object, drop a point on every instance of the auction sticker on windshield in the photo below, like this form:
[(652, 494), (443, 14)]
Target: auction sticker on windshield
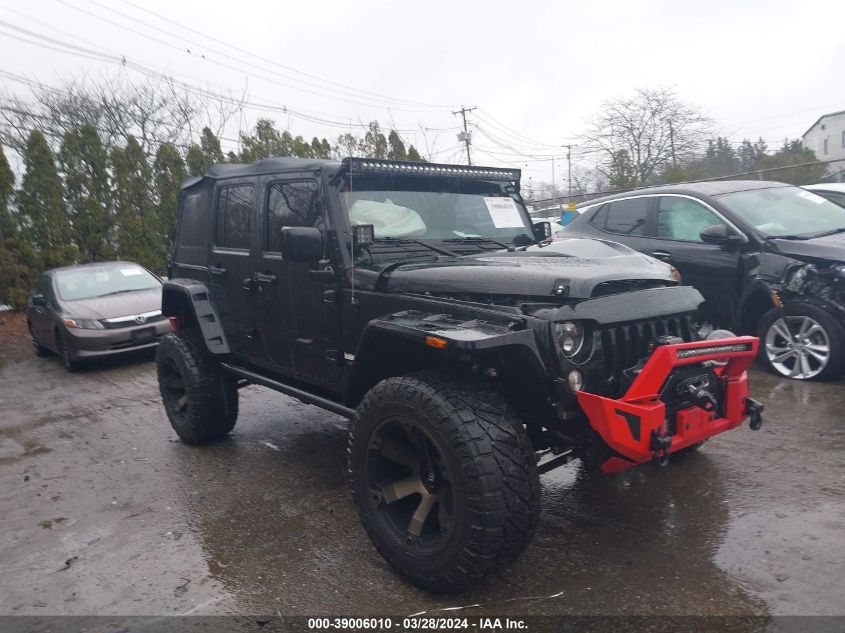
[(504, 213), (129, 272)]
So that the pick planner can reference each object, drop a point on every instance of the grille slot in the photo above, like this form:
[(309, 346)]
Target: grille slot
[(624, 345)]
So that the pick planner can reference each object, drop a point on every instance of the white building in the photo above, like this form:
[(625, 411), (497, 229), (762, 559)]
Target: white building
[(826, 137)]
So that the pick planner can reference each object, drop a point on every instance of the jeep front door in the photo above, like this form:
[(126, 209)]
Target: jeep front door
[(230, 266), (300, 329)]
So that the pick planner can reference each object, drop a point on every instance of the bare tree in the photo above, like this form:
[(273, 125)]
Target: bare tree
[(653, 128), (154, 111)]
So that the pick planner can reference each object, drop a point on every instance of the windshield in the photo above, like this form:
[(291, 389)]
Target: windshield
[(785, 211), (86, 283), (436, 208)]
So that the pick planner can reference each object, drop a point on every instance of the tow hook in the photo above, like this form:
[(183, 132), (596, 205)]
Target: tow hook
[(660, 449), (754, 411)]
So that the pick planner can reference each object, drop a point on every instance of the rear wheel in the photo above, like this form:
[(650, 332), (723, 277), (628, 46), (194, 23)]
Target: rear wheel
[(444, 478), (200, 399), (801, 341)]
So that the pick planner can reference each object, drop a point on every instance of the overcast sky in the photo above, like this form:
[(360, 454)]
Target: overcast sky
[(537, 70)]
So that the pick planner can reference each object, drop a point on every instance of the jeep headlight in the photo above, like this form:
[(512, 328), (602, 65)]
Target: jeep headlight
[(570, 337)]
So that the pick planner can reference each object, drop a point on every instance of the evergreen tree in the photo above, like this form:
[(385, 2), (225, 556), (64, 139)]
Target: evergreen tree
[(134, 211), (168, 175), (321, 148), (793, 153), (414, 155), (374, 144), (18, 263), (42, 207), (84, 162), (200, 157), (622, 173), (397, 147)]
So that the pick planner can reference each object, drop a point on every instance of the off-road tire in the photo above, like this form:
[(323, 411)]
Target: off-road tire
[(832, 329), (37, 347), (210, 406), (495, 483), (64, 354)]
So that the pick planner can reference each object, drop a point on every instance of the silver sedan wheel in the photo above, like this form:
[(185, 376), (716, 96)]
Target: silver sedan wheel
[(797, 347)]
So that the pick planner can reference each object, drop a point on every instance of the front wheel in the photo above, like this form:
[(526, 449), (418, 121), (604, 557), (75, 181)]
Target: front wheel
[(801, 341), (200, 399), (69, 363), (444, 478)]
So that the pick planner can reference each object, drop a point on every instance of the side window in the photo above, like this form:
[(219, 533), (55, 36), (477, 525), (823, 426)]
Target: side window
[(600, 218), (193, 205), (291, 204), (234, 217), (628, 217), (683, 219)]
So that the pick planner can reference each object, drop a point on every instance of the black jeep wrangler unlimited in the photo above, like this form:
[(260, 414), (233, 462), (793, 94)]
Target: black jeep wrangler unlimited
[(470, 352)]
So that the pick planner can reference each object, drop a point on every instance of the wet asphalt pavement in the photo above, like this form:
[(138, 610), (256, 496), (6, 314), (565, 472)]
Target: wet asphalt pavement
[(104, 511)]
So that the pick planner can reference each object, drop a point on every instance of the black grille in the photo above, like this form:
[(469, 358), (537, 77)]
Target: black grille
[(131, 323), (625, 345), (625, 285)]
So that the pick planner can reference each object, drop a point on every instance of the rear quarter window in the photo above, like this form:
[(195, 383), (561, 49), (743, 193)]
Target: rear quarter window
[(627, 217)]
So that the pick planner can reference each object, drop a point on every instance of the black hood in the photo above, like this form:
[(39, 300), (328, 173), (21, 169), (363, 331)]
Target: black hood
[(571, 268), (830, 247)]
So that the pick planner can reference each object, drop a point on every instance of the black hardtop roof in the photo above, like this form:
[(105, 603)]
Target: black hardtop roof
[(712, 188)]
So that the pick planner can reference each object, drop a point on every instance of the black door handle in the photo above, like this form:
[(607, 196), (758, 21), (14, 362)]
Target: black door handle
[(664, 255), (215, 270), (263, 278)]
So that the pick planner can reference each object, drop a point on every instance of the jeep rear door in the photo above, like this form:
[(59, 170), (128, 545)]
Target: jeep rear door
[(299, 328)]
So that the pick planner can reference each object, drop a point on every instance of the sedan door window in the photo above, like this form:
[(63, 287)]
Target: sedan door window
[(682, 219), (627, 217)]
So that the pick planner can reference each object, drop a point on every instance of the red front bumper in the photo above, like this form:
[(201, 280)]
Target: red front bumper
[(629, 424)]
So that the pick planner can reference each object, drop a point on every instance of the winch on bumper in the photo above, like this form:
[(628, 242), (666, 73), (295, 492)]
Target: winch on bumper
[(636, 426)]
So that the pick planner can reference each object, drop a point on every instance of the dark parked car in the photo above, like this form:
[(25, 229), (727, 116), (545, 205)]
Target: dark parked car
[(469, 352), (93, 310), (833, 191), (768, 258)]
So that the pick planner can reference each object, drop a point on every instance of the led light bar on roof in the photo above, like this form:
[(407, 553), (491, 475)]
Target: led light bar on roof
[(373, 165)]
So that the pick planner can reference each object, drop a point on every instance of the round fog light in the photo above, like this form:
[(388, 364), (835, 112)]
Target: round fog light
[(575, 380)]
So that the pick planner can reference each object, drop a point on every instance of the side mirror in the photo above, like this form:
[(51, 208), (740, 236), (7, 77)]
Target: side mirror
[(542, 231), (39, 300), (302, 243), (719, 234)]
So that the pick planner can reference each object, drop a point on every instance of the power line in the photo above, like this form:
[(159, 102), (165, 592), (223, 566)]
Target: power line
[(230, 67), (276, 63)]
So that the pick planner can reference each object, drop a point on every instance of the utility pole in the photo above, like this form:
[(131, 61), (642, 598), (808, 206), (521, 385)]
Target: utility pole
[(569, 170), (554, 186), (672, 143), (465, 136)]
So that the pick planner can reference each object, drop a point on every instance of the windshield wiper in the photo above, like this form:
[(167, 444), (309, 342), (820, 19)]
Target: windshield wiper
[(479, 238), (830, 232), (118, 292), (409, 240)]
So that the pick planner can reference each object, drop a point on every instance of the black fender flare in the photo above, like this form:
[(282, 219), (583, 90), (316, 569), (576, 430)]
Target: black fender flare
[(385, 341), (190, 301)]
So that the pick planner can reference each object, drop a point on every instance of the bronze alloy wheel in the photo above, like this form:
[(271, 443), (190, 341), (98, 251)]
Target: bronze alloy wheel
[(410, 485), (173, 390)]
